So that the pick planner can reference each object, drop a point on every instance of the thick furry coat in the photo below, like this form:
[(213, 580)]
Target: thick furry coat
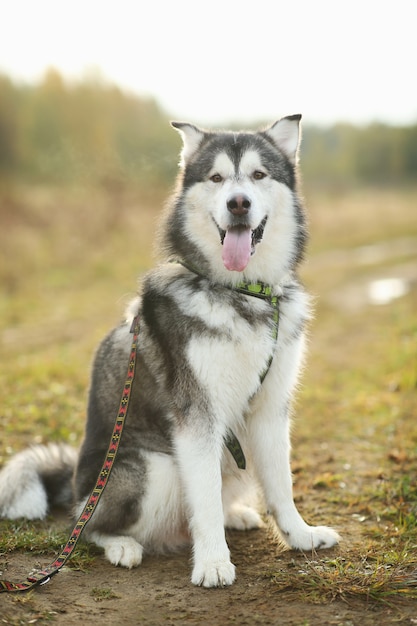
[(209, 364)]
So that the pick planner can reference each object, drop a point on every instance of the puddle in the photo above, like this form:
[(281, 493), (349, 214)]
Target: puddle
[(384, 290), (375, 289), (381, 285)]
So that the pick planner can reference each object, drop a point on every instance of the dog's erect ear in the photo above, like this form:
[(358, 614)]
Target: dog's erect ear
[(191, 138), (286, 135)]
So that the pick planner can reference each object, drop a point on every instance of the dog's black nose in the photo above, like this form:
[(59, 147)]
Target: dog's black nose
[(239, 204)]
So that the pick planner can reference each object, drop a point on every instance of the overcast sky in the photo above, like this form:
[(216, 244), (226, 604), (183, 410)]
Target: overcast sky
[(228, 60)]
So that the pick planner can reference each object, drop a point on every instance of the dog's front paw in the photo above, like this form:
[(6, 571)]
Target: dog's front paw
[(124, 551), (213, 574), (312, 538)]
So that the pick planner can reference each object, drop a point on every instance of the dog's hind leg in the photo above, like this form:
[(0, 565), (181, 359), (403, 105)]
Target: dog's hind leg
[(119, 549), (240, 502), (120, 504), (142, 510)]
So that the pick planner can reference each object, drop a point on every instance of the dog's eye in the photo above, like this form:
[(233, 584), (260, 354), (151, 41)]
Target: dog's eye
[(258, 175), (216, 178)]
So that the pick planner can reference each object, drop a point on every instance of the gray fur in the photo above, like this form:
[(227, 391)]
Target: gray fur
[(203, 347), (31, 474)]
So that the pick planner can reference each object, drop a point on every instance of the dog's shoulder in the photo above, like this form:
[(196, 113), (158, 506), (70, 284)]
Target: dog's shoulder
[(296, 310)]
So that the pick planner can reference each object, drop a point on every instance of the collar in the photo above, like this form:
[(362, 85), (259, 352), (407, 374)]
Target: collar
[(258, 289)]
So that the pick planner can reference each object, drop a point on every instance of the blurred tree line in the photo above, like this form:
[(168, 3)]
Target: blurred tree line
[(91, 132), (88, 132), (377, 154)]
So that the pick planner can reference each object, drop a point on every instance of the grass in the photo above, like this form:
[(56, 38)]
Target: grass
[(360, 391), (380, 565), (68, 264), (105, 593), (325, 580), (43, 539)]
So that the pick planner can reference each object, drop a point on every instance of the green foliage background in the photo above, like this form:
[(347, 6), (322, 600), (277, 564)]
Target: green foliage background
[(87, 132), (91, 132)]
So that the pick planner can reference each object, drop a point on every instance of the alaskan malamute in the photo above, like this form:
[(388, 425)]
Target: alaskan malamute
[(221, 341)]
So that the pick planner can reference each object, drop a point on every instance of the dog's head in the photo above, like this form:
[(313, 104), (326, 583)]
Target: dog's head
[(237, 186)]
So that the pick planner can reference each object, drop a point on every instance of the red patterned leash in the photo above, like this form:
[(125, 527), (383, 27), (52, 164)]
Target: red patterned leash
[(41, 577)]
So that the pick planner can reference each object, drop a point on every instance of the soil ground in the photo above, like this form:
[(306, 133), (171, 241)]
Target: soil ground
[(159, 592)]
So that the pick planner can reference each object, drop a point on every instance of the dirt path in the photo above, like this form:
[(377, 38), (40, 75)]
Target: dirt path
[(159, 592)]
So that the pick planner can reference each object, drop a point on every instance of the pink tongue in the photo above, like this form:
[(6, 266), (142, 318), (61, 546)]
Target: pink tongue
[(237, 247)]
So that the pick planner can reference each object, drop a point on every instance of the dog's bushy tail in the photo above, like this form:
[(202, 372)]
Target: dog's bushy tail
[(37, 479)]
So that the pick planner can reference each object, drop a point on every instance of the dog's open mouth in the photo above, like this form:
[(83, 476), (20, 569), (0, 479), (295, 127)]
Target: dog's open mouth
[(239, 244)]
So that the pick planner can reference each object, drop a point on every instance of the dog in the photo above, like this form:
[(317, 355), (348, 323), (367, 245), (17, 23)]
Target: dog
[(221, 342)]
